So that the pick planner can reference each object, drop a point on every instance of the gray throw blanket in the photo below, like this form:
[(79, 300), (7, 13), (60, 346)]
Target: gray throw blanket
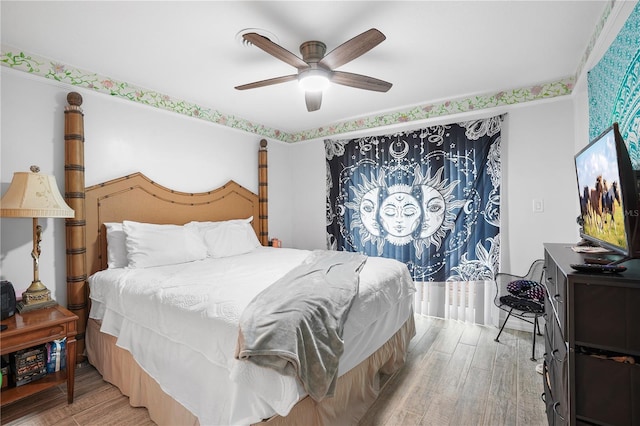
[(295, 325)]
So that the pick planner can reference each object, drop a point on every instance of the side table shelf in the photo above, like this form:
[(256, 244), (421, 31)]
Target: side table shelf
[(37, 328)]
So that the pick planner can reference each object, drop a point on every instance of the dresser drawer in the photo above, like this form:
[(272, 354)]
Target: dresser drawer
[(560, 300), (595, 400), (556, 284), (613, 331), (555, 373)]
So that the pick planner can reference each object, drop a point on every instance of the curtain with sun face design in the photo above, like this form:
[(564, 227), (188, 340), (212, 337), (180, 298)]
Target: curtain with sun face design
[(429, 198)]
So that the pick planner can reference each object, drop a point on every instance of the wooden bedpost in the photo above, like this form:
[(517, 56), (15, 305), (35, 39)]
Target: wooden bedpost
[(77, 293), (263, 196)]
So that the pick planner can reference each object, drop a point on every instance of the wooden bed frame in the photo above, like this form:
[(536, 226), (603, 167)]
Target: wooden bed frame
[(135, 197)]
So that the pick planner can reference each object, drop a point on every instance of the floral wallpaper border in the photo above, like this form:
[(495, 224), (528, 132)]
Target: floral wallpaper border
[(23, 61)]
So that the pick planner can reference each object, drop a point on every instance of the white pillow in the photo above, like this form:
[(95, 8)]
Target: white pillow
[(116, 246), (202, 227), (156, 245), (230, 239)]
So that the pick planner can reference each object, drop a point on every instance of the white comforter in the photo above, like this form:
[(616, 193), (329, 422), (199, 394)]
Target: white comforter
[(180, 323)]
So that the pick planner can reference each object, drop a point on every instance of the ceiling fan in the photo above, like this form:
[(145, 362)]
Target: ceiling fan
[(316, 70)]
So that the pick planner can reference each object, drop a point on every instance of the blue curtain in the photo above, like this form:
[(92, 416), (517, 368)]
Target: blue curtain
[(429, 198)]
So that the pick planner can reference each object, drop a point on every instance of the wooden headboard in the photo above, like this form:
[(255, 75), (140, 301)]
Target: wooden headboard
[(136, 197)]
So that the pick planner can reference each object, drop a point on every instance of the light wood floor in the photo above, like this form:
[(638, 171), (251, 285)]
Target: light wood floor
[(455, 375)]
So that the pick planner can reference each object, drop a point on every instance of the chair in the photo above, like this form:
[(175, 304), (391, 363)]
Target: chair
[(522, 297)]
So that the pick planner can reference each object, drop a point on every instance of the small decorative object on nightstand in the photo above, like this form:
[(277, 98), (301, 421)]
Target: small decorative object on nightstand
[(34, 195)]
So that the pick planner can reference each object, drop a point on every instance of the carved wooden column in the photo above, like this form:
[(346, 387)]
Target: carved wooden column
[(77, 287), (263, 196)]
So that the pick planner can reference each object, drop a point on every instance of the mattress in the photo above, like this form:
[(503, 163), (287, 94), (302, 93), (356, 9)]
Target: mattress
[(180, 324)]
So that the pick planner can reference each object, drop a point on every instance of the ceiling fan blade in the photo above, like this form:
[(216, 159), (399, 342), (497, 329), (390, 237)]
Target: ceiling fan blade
[(268, 82), (275, 50), (351, 49), (360, 81), (313, 100)]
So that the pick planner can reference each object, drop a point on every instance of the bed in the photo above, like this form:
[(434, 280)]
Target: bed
[(148, 329)]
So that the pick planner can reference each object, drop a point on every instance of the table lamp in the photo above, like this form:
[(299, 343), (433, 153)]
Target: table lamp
[(33, 195)]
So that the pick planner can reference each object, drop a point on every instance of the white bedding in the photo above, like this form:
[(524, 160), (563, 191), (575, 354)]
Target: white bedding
[(180, 323)]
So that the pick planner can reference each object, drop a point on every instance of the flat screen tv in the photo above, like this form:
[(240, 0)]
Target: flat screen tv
[(608, 194)]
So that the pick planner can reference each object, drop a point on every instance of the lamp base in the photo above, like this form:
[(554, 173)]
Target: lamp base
[(32, 300)]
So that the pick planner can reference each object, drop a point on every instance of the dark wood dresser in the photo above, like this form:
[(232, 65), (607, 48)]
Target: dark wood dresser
[(592, 342)]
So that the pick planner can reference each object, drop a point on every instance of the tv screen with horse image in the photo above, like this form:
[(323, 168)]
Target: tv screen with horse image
[(606, 184)]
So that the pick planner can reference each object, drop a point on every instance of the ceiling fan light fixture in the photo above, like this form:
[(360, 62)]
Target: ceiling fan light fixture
[(317, 70), (314, 80)]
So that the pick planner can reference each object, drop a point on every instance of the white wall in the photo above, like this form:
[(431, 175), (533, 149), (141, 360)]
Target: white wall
[(538, 145), (537, 163), (121, 137), (539, 140), (309, 195), (32, 134), (281, 182)]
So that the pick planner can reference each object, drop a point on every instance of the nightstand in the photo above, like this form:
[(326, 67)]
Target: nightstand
[(36, 328)]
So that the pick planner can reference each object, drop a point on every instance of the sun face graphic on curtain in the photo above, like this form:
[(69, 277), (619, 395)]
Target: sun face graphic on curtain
[(422, 197), (420, 213)]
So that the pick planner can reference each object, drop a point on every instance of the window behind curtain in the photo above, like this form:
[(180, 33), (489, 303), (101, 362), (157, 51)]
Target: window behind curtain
[(428, 197)]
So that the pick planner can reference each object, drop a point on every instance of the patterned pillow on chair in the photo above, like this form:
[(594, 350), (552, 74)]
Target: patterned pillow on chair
[(522, 304), (527, 289)]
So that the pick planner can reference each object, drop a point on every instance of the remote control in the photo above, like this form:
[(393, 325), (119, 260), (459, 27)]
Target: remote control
[(592, 267)]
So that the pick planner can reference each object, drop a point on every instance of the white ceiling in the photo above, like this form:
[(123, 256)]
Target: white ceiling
[(434, 51)]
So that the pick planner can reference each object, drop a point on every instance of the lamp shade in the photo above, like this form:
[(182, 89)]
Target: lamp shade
[(31, 194)]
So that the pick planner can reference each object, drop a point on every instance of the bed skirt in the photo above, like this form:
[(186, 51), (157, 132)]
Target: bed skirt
[(355, 391)]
